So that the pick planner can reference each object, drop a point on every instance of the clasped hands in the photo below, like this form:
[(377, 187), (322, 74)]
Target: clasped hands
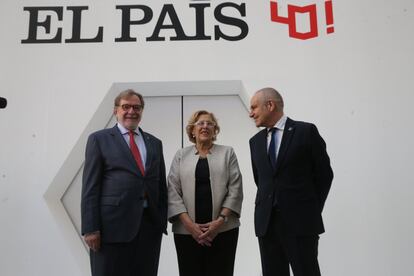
[(205, 233)]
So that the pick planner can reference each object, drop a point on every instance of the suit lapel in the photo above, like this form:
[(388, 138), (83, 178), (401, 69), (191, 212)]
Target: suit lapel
[(150, 149), (262, 146), (286, 138)]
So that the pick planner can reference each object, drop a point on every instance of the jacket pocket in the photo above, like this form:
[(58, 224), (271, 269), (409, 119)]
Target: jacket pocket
[(110, 200)]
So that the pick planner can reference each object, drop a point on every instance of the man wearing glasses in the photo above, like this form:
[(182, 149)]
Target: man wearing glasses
[(124, 194)]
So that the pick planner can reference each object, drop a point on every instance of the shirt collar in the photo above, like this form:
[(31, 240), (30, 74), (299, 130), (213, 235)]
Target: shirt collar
[(124, 130), (210, 151), (280, 125)]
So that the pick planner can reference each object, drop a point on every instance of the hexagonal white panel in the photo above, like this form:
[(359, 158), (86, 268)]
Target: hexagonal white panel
[(168, 106)]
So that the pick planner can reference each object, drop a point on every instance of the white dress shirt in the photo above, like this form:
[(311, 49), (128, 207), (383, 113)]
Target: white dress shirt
[(139, 140)]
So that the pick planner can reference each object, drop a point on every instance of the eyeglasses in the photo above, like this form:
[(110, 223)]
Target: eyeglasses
[(135, 107), (205, 123)]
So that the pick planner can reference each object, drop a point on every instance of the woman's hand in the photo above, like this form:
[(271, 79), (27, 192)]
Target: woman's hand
[(195, 229), (211, 229), (197, 234)]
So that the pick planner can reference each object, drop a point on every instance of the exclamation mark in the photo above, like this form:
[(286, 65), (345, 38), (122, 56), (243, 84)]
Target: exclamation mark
[(329, 17)]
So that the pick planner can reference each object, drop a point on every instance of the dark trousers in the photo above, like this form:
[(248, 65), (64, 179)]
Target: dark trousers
[(278, 250), (139, 257), (197, 260)]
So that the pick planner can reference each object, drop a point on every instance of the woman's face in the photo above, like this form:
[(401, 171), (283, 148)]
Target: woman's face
[(204, 129)]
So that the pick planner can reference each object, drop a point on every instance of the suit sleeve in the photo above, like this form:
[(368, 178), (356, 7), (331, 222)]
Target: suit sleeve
[(323, 173), (176, 204), (163, 203), (91, 187), (234, 197), (255, 175)]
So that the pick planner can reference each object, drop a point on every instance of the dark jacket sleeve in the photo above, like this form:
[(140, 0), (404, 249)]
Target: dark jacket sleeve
[(91, 187), (323, 174), (163, 202)]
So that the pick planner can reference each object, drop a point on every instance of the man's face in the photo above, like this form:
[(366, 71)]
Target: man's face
[(129, 112), (259, 110)]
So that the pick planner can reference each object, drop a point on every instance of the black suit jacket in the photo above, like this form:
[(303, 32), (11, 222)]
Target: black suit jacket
[(113, 187), (300, 182)]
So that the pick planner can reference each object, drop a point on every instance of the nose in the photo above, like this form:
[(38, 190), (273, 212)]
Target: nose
[(251, 114), (131, 110)]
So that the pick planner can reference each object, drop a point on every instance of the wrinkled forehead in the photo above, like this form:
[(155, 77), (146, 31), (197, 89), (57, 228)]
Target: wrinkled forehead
[(205, 117), (130, 99)]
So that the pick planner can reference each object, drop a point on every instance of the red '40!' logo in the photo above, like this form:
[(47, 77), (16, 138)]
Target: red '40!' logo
[(311, 10)]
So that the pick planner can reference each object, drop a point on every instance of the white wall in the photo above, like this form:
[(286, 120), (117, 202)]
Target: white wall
[(355, 84)]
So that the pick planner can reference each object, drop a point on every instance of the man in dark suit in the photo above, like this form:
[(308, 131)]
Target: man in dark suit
[(124, 195), (293, 175)]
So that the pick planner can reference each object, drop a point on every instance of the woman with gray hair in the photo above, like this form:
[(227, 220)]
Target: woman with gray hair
[(205, 198)]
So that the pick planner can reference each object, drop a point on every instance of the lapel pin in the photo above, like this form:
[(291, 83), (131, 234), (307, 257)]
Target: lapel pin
[(290, 128)]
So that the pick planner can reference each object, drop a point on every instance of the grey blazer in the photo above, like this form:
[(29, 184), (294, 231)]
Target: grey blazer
[(225, 179)]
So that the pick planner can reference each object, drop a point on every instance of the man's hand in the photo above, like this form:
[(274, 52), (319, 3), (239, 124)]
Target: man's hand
[(93, 240)]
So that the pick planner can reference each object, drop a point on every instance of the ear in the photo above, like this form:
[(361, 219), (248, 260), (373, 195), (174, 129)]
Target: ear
[(272, 106)]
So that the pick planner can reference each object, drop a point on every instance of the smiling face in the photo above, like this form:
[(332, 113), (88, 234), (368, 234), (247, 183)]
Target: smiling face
[(204, 129), (129, 111)]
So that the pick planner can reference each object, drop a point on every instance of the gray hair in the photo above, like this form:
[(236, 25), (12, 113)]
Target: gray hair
[(271, 94), (127, 94)]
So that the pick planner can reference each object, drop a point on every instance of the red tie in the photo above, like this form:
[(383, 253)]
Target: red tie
[(135, 152)]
